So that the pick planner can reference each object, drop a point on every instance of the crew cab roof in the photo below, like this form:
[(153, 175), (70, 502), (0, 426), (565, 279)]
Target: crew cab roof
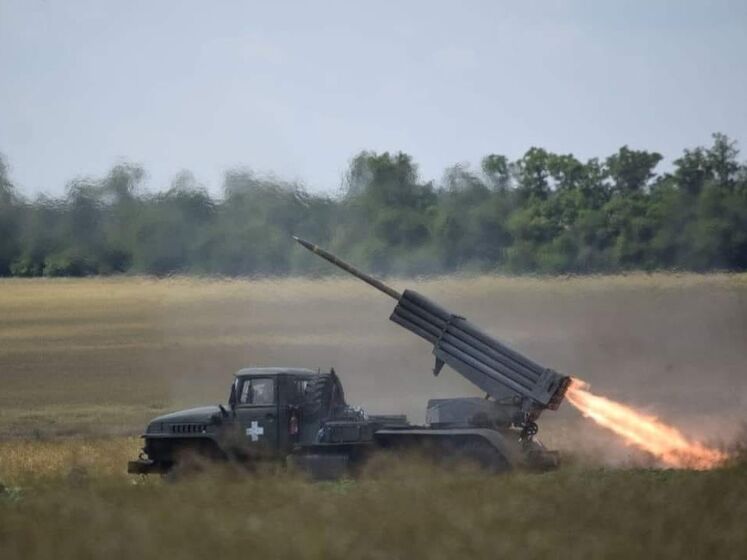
[(275, 371)]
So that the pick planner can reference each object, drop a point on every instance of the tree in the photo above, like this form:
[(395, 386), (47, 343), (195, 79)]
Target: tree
[(566, 171), (693, 170), (9, 221), (631, 170), (497, 170), (469, 230), (533, 174), (722, 160), (387, 207), (545, 212)]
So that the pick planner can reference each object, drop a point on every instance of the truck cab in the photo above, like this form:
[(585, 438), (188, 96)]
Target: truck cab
[(267, 404), (271, 413)]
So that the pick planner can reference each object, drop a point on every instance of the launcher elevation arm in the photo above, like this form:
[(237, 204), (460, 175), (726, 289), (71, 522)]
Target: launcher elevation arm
[(495, 368)]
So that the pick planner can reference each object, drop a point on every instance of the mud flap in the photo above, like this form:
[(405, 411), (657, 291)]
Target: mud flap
[(543, 460)]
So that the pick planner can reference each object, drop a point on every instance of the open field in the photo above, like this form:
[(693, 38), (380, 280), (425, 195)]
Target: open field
[(99, 357), (85, 363), (398, 511)]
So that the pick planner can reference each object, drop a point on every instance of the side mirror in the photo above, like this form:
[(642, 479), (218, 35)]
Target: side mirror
[(232, 396)]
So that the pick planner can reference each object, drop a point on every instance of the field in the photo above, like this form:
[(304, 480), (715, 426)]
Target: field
[(85, 363)]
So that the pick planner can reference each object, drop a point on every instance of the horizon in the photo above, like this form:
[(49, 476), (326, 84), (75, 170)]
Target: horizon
[(216, 190)]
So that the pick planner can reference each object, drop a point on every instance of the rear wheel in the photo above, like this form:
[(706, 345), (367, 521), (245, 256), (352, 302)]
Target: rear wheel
[(318, 393), (483, 454), (451, 451)]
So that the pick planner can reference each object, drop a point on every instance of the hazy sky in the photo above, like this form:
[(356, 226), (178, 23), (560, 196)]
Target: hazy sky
[(297, 88)]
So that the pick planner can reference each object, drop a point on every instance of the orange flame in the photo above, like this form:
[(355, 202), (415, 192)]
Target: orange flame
[(665, 442)]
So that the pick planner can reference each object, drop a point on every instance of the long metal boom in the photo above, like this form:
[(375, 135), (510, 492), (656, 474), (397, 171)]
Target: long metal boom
[(485, 361), (368, 279)]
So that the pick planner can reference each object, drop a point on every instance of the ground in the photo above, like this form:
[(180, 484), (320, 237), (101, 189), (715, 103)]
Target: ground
[(85, 363)]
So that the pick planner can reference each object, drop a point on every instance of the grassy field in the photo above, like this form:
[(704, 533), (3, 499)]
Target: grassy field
[(85, 363), (399, 510)]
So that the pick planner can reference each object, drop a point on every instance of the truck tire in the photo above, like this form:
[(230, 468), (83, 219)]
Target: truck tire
[(318, 393), (483, 454)]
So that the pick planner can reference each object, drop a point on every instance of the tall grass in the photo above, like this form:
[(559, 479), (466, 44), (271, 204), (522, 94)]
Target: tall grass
[(400, 509)]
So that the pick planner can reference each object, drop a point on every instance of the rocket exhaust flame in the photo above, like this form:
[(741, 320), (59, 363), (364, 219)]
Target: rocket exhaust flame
[(665, 442)]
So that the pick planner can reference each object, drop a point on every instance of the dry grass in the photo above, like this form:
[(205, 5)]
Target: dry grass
[(402, 510), (26, 462), (85, 363)]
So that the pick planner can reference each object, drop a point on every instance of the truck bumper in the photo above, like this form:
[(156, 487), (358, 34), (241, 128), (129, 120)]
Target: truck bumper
[(145, 466)]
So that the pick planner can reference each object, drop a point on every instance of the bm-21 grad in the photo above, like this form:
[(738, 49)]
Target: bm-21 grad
[(300, 415)]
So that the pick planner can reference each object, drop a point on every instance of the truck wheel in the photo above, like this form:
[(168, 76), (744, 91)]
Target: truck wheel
[(484, 455), (181, 470)]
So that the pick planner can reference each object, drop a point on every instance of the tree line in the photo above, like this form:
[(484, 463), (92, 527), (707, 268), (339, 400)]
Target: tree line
[(542, 213)]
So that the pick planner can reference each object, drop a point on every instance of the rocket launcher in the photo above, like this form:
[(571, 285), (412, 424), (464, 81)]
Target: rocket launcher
[(504, 374)]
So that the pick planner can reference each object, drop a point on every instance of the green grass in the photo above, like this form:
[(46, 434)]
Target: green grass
[(402, 510)]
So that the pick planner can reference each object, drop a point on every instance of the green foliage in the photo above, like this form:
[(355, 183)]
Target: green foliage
[(631, 170), (545, 212), (9, 241)]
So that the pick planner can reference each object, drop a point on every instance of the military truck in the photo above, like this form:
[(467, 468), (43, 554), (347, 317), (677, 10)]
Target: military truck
[(300, 416)]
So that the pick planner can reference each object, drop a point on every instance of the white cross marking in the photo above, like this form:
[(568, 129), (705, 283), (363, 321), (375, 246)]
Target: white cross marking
[(255, 431)]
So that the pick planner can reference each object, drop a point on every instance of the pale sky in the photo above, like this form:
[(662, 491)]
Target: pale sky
[(297, 88)]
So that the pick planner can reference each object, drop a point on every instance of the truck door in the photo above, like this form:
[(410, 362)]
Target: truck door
[(291, 394), (257, 412)]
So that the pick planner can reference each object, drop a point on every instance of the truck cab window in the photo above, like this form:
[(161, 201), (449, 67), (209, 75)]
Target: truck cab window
[(300, 389), (258, 391)]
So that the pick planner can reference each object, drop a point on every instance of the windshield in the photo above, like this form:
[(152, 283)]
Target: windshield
[(257, 391)]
